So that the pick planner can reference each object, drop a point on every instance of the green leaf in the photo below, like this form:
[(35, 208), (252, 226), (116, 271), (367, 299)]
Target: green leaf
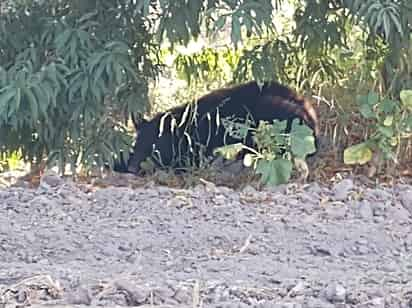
[(83, 91), (17, 99), (32, 103), (386, 131), (274, 172), (357, 154), (220, 23), (302, 140), (406, 99), (63, 38), (388, 106), (279, 126), (370, 99), (408, 122), (41, 98), (367, 103), (388, 120), (6, 94), (98, 74), (236, 30), (367, 111)]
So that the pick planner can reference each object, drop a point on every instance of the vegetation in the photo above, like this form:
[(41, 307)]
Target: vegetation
[(389, 122), (275, 150), (71, 71)]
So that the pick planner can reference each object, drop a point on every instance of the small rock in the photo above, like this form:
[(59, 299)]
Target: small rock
[(165, 295), (336, 211), (407, 242), (50, 179), (21, 296), (81, 296), (314, 188), (321, 250), (39, 200), (378, 302), (286, 305), (364, 210), (297, 289), (183, 295), (342, 189), (309, 199), (312, 302), (235, 167), (398, 213), (379, 208), (135, 295), (278, 189), (250, 190), (406, 200), (389, 267), (335, 293)]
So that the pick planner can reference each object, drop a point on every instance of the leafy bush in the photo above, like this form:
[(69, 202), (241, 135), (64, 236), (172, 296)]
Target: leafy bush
[(275, 150), (389, 124), (71, 71), (68, 79)]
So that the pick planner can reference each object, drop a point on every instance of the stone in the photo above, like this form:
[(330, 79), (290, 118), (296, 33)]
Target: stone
[(341, 190)]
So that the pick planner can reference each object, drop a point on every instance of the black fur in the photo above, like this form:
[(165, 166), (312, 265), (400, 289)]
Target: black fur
[(184, 131)]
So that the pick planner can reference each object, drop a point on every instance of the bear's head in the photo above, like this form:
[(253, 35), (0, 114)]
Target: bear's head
[(143, 147)]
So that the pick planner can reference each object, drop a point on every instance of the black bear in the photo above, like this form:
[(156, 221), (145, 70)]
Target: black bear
[(185, 130)]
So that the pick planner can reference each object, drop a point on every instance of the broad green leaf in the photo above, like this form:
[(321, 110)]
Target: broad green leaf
[(31, 99), (41, 98), (279, 126), (302, 140), (220, 23), (274, 172), (367, 111), (357, 154), (6, 94), (118, 74), (84, 90), (75, 85), (95, 61), (98, 74), (388, 120), (17, 99), (370, 99), (406, 99), (388, 106), (386, 131), (63, 39), (408, 122), (236, 30)]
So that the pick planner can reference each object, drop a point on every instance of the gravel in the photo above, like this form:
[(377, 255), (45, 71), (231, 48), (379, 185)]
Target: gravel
[(66, 243)]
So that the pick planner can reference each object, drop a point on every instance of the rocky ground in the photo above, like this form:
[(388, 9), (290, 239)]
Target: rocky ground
[(347, 245)]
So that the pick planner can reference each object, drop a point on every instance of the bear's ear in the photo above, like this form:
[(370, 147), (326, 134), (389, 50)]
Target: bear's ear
[(138, 120)]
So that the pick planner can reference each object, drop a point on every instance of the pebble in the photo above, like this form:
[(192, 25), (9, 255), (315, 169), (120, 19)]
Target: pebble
[(80, 296), (335, 293), (364, 210), (156, 233), (342, 189), (406, 200)]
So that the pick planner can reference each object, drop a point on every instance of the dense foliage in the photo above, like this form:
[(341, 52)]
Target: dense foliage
[(68, 74), (276, 150), (72, 70)]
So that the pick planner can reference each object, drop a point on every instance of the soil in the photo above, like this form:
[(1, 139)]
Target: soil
[(66, 243)]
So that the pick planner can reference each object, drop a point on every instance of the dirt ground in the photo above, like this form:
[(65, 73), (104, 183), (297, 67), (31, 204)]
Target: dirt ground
[(65, 243)]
